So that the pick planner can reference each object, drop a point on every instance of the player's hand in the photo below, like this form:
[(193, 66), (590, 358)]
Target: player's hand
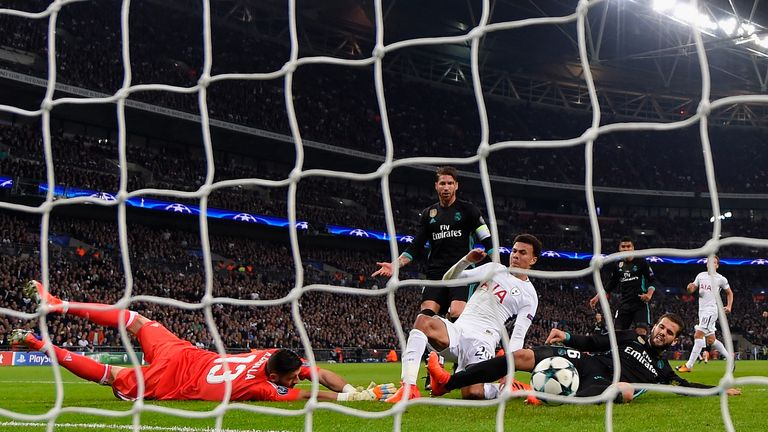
[(727, 309), (555, 336), (691, 288), (645, 297), (733, 392), (385, 269), (593, 301), (476, 255), (374, 392), (627, 392)]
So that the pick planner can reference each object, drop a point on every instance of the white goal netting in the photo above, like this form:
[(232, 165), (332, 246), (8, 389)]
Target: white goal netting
[(484, 151)]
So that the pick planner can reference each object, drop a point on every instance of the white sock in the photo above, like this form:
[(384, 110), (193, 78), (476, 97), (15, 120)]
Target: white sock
[(698, 344), (491, 390), (414, 349), (720, 348)]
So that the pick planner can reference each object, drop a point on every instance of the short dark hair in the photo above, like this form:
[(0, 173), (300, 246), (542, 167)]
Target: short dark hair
[(283, 361), (531, 240), (447, 170), (675, 318), (626, 239)]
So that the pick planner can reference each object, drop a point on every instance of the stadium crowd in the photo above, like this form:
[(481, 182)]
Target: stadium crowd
[(165, 262), (89, 163), (337, 105)]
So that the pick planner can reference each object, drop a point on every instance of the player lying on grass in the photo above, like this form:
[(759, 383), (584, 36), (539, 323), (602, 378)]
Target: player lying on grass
[(503, 297), (180, 371), (641, 361)]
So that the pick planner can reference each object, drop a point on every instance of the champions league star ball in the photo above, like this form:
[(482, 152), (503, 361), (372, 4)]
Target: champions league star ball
[(555, 376)]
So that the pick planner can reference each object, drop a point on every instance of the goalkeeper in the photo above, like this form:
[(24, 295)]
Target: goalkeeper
[(180, 371)]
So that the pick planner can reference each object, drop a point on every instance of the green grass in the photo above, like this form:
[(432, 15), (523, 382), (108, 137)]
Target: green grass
[(30, 390)]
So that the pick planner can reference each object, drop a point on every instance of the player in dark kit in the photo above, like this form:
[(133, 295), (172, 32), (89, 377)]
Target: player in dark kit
[(451, 226), (641, 361), (634, 279)]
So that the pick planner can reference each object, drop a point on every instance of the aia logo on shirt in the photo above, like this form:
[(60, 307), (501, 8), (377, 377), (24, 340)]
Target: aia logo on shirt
[(282, 390)]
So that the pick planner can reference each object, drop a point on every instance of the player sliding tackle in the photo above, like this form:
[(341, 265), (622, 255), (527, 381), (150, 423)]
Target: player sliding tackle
[(180, 371), (641, 361), (476, 333)]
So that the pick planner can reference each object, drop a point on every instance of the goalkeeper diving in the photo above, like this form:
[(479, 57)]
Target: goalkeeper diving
[(180, 371)]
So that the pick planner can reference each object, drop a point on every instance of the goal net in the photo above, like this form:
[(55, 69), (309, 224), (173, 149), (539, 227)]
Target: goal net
[(119, 94)]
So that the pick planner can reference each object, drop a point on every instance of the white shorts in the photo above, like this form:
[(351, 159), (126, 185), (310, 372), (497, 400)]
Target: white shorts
[(468, 346), (707, 321)]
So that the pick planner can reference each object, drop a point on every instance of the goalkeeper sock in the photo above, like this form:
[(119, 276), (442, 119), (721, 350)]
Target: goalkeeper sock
[(720, 348), (414, 348), (81, 366), (107, 318)]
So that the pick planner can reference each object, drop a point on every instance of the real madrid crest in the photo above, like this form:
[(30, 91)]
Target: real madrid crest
[(433, 212)]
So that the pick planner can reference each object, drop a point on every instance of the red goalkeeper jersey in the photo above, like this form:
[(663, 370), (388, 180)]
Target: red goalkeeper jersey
[(180, 371)]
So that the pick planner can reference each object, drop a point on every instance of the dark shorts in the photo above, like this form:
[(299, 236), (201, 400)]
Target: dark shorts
[(639, 316), (445, 295)]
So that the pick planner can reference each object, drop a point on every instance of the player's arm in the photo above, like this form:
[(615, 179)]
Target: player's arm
[(481, 231), (625, 395), (374, 392), (522, 324), (458, 270), (651, 280), (595, 342), (613, 281), (415, 249), (668, 376), (728, 298)]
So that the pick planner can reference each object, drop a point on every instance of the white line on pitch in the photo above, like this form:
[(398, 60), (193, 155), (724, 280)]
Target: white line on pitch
[(130, 427)]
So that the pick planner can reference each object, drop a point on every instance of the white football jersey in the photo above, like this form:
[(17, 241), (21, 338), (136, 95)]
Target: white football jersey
[(709, 289), (497, 300)]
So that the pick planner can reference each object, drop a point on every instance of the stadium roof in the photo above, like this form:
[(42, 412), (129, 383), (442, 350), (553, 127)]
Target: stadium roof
[(642, 53)]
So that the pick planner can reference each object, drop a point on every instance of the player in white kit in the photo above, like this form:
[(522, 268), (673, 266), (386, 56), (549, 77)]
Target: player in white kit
[(709, 287), (475, 334)]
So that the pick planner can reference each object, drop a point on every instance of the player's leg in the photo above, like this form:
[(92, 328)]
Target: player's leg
[(459, 295), (79, 365), (716, 344), (473, 350), (489, 370), (107, 318), (642, 320), (698, 345), (435, 301), (623, 319), (433, 330)]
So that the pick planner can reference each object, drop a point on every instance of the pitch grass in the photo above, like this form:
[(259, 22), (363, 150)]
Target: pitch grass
[(30, 390)]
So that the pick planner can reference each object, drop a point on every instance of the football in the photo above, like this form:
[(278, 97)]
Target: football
[(555, 376)]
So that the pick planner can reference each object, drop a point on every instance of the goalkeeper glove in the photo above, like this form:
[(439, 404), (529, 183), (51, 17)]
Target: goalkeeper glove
[(374, 392)]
